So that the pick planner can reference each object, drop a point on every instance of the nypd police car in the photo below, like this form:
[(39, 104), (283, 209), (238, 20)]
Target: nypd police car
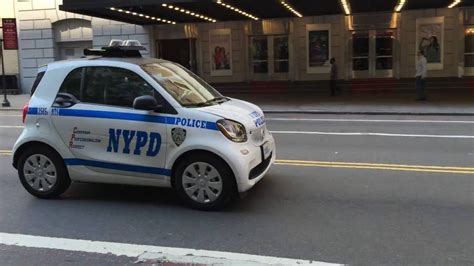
[(115, 117)]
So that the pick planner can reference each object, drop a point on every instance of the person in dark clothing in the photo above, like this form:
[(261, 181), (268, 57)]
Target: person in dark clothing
[(333, 81)]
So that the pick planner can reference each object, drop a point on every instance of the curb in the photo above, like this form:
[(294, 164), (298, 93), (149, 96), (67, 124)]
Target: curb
[(323, 112)]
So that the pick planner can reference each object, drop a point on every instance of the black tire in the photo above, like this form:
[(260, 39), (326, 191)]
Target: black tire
[(229, 187), (62, 177)]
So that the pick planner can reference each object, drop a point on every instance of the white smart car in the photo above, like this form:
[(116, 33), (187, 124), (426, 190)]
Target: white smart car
[(118, 118)]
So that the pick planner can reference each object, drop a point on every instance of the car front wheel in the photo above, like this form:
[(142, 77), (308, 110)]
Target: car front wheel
[(205, 182)]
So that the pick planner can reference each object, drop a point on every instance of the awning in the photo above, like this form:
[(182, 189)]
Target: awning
[(184, 11)]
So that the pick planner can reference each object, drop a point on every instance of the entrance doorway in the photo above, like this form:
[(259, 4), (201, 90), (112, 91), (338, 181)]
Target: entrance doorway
[(372, 53), (269, 57), (181, 51), (69, 50)]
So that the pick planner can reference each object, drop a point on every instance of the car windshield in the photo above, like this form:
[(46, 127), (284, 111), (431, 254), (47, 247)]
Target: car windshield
[(187, 88)]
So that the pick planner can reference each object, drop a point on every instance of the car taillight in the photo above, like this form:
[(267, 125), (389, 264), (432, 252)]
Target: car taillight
[(25, 112)]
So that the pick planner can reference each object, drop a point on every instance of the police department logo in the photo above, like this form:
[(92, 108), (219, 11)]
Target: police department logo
[(178, 135)]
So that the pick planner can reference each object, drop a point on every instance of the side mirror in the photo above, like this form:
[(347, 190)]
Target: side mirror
[(147, 103)]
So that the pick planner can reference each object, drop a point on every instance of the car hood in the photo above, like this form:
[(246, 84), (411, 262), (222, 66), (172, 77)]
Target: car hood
[(250, 115)]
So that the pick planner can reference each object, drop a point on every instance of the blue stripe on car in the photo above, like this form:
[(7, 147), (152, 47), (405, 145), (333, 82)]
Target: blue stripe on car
[(33, 110), (119, 166), (119, 116)]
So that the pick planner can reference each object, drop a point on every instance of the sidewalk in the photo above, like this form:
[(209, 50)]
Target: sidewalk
[(402, 103), (439, 103)]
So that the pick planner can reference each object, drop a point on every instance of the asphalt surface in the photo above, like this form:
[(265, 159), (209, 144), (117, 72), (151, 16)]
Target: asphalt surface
[(333, 214)]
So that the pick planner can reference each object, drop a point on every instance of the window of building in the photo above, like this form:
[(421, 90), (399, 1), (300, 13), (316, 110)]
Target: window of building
[(469, 48)]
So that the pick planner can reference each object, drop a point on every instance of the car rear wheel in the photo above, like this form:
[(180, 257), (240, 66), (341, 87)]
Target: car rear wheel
[(42, 172), (205, 182)]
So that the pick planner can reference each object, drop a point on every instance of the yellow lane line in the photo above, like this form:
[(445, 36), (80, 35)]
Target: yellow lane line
[(352, 165), (378, 168), (5, 152), (376, 165)]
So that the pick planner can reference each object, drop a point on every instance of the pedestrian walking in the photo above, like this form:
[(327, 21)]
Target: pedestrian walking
[(421, 71), (333, 81)]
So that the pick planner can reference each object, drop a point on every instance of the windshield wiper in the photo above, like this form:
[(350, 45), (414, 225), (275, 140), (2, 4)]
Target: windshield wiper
[(196, 104), (218, 100)]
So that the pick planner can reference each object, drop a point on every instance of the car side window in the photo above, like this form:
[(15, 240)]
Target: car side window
[(72, 83), (114, 86), (70, 90)]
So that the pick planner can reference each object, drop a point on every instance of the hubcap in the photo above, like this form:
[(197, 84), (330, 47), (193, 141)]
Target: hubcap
[(202, 182), (40, 172)]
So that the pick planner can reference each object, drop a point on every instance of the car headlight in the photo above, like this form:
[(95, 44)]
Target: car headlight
[(234, 131)]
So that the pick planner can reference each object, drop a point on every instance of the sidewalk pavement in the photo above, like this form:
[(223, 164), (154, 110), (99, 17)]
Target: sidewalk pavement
[(396, 103), (390, 103)]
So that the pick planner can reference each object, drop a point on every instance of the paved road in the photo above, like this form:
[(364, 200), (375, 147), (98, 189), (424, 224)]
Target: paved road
[(350, 201)]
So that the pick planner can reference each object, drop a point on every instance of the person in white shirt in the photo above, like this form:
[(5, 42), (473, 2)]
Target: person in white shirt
[(421, 71)]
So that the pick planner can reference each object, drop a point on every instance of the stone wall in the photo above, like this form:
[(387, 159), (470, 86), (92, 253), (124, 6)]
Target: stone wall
[(37, 43)]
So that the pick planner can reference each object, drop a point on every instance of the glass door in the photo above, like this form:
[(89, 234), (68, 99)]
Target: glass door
[(181, 51), (469, 52), (259, 54), (383, 65), (281, 56), (360, 54), (269, 57), (372, 54)]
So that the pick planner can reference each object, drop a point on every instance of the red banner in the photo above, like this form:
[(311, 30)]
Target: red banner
[(10, 37)]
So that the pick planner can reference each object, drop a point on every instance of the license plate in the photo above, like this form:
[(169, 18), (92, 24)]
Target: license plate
[(266, 150)]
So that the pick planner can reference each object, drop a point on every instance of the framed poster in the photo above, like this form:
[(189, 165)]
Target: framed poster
[(10, 38), (430, 40), (318, 40), (220, 50)]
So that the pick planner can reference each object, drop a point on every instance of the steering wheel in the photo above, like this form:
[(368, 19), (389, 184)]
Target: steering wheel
[(65, 99)]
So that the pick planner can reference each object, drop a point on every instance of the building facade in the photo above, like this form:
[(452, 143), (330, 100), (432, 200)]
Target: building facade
[(10, 57), (366, 45)]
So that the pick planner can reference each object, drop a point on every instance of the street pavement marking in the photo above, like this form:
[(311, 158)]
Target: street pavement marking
[(11, 126), (374, 166), (372, 134), (5, 152), (358, 165), (369, 120), (146, 252)]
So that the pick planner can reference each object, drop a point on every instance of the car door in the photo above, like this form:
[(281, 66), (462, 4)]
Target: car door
[(94, 115)]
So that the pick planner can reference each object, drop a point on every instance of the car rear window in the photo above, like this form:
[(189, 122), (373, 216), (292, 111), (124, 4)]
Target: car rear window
[(38, 79)]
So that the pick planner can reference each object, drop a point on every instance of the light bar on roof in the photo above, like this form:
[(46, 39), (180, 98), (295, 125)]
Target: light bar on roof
[(189, 12), (142, 15), (346, 6), (455, 3), (289, 7), (235, 9), (400, 5)]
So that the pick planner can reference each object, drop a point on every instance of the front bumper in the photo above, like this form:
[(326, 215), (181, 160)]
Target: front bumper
[(251, 168)]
